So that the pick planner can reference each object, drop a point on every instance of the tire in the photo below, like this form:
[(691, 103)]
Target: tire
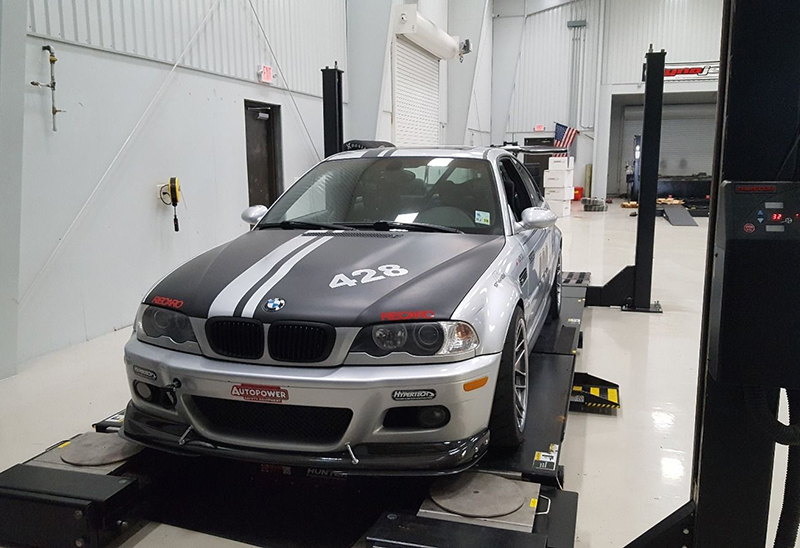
[(507, 421), (555, 294)]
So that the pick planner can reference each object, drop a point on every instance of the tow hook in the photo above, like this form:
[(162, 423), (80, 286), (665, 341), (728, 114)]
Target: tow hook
[(353, 458), (182, 440)]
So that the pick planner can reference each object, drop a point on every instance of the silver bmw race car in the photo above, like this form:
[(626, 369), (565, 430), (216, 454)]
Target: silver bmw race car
[(376, 319)]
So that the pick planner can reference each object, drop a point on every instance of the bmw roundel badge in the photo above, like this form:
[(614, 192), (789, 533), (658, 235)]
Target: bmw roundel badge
[(274, 304)]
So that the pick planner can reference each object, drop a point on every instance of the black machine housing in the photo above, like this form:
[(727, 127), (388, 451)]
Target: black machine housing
[(752, 315)]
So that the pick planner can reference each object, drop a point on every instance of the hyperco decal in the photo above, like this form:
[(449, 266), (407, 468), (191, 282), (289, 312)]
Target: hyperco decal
[(407, 315), (166, 301), (409, 395), (257, 392), (368, 275), (146, 373)]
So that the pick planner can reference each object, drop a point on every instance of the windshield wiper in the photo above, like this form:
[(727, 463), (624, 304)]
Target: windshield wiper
[(289, 225), (414, 227)]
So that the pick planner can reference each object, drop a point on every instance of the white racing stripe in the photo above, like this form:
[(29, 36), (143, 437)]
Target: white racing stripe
[(225, 303), (250, 307)]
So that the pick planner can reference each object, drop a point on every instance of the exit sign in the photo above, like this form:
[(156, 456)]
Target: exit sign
[(539, 127), (265, 74)]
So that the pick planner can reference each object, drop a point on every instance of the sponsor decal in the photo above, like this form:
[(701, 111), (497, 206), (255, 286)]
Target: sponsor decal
[(146, 373), (257, 392), (411, 395), (688, 71), (758, 189), (166, 301), (498, 277), (407, 315), (274, 304), (483, 218), (325, 473)]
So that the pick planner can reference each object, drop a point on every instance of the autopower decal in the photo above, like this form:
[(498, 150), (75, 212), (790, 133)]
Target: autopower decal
[(413, 395), (260, 393)]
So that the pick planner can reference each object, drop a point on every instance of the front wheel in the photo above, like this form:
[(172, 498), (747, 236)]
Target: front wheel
[(510, 405)]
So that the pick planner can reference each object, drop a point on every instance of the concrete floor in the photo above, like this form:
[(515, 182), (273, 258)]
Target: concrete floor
[(630, 470)]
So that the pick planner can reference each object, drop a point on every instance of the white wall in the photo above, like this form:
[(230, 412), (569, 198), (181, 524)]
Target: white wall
[(368, 29), (557, 68), (477, 92), (507, 30), (466, 103), (79, 282), (555, 78), (305, 35), (12, 85)]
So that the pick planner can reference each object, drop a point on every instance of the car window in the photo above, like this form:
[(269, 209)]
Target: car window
[(456, 192), (517, 195), (530, 186)]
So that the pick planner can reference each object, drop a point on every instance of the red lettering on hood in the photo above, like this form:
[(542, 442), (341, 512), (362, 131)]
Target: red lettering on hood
[(166, 301), (407, 315), (257, 392)]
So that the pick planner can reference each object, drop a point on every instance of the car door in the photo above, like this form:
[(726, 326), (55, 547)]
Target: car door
[(546, 254), (531, 241)]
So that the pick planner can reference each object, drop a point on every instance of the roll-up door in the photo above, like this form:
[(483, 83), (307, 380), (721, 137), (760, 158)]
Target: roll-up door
[(416, 95)]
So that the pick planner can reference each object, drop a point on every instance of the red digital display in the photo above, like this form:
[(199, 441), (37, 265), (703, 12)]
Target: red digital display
[(777, 217)]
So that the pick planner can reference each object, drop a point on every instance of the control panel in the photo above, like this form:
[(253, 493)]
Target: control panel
[(754, 331)]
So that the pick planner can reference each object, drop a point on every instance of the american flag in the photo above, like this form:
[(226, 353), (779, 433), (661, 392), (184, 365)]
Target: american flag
[(565, 136)]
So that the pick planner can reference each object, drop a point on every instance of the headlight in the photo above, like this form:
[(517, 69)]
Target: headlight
[(161, 322), (416, 338)]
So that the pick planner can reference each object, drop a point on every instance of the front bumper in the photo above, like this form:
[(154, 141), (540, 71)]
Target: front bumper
[(370, 459), (368, 391)]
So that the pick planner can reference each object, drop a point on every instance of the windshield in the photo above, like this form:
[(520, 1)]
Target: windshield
[(451, 192)]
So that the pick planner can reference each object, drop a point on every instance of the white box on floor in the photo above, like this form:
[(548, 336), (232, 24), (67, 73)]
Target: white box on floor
[(558, 178), (561, 162), (559, 193), (560, 207)]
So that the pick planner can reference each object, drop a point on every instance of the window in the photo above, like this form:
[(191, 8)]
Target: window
[(456, 192), (516, 193), (530, 186)]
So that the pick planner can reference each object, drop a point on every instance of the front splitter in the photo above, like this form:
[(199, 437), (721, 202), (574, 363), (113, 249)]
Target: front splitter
[(388, 459)]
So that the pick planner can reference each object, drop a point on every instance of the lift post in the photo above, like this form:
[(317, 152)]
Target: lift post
[(631, 287), (332, 110), (759, 94)]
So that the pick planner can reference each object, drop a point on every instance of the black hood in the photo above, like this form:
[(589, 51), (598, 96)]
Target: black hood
[(296, 269)]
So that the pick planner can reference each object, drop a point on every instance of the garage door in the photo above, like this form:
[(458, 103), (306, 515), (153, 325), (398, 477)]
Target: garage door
[(687, 138), (416, 95)]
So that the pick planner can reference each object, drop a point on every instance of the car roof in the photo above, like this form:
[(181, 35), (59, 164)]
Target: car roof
[(478, 153)]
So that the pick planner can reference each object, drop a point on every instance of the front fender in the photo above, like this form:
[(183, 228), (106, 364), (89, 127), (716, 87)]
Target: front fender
[(490, 303)]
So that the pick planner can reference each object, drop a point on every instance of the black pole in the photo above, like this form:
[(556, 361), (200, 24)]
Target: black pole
[(648, 193), (766, 105), (332, 112), (733, 460)]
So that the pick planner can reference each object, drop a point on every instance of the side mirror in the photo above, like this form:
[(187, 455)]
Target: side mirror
[(538, 217), (253, 214)]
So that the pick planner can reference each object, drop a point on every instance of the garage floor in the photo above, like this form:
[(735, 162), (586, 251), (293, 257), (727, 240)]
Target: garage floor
[(630, 470)]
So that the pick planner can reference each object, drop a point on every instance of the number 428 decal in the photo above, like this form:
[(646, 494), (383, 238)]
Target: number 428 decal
[(368, 275)]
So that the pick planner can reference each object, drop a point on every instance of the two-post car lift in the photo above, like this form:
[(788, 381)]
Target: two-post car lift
[(48, 502)]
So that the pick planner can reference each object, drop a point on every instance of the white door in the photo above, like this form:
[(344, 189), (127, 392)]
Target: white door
[(416, 95), (687, 139)]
